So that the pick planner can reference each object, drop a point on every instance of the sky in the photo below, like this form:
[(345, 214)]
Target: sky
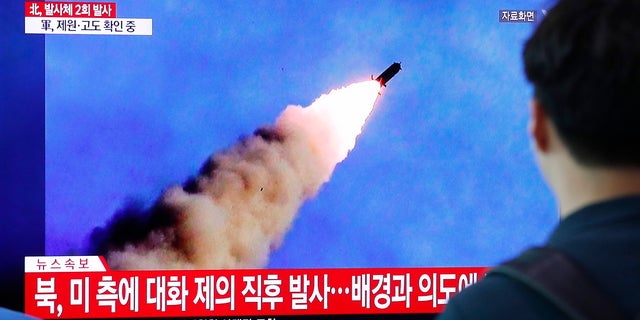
[(443, 173)]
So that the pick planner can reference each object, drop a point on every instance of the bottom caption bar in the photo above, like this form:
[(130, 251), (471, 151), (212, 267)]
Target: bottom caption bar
[(96, 292)]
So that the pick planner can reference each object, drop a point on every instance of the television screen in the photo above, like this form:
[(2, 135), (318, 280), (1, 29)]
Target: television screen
[(265, 135)]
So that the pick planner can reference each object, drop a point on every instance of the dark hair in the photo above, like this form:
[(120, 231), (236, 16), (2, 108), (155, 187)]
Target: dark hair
[(584, 62)]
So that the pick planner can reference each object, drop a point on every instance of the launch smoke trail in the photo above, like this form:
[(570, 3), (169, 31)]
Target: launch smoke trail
[(244, 199)]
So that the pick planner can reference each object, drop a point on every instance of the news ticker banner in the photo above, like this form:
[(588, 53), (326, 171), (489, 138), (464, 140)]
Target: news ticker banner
[(88, 18), (68, 287)]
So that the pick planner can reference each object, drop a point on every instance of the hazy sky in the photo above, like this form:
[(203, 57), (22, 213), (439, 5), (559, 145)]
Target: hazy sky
[(442, 174)]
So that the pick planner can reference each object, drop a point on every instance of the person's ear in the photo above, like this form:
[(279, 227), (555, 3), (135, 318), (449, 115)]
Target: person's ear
[(539, 127)]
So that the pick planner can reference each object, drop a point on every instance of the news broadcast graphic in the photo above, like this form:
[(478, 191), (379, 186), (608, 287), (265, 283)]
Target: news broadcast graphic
[(344, 140), (529, 16), (98, 18), (68, 287)]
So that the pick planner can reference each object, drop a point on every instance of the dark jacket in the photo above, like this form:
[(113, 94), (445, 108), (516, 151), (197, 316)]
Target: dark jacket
[(603, 239)]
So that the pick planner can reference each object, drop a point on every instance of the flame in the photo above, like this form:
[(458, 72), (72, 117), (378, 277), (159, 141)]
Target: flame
[(334, 120), (346, 110)]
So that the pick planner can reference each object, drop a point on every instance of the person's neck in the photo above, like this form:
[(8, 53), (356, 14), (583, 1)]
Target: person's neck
[(583, 186)]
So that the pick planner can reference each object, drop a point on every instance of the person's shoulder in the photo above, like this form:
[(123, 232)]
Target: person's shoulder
[(499, 297)]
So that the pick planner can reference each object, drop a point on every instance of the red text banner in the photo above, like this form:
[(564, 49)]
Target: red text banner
[(70, 9), (254, 292)]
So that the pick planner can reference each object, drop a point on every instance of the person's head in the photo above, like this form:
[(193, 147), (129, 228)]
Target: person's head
[(584, 63)]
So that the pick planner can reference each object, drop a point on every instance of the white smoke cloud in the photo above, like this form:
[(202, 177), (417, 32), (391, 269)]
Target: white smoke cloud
[(246, 198)]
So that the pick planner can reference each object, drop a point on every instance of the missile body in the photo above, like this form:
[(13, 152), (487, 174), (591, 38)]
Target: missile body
[(388, 74)]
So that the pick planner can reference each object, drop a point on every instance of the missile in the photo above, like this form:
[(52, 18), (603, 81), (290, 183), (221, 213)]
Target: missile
[(388, 74)]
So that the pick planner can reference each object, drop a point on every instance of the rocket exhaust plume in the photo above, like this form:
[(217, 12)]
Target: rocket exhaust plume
[(244, 199)]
